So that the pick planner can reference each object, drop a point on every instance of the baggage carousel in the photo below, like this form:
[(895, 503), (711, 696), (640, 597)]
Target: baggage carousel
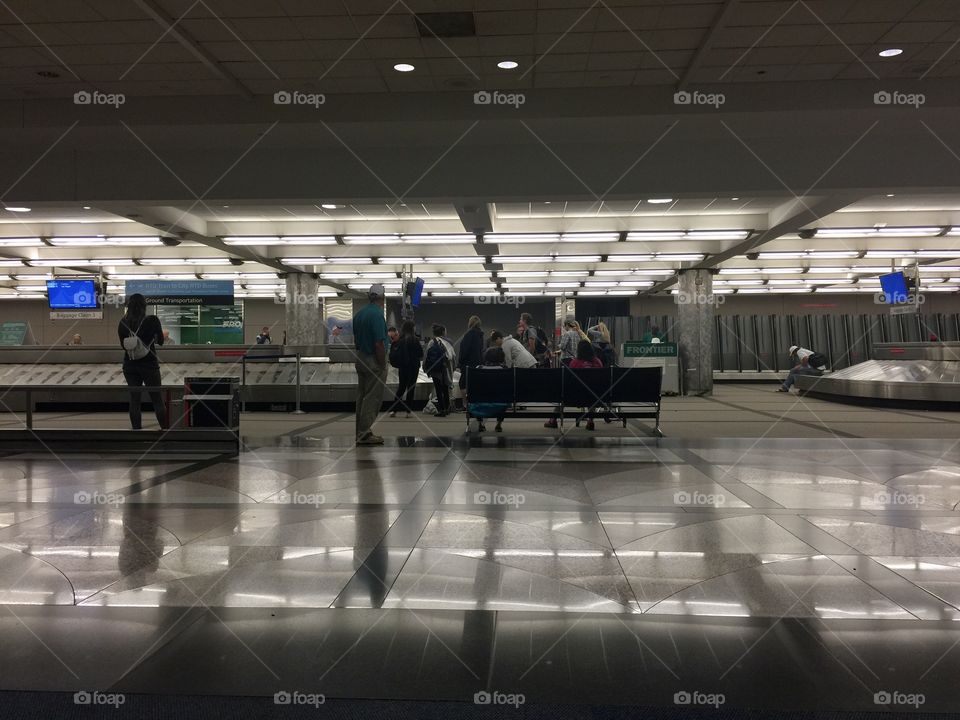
[(93, 375), (900, 373)]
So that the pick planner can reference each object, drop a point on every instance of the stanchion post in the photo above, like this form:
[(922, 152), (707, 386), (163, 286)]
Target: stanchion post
[(297, 410)]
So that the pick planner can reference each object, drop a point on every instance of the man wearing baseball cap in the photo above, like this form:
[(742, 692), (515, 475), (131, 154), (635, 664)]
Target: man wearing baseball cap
[(371, 341)]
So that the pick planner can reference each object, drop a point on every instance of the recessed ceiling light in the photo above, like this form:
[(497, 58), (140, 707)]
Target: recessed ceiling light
[(660, 201), (86, 207), (330, 206), (890, 195), (17, 209), (403, 67), (734, 198), (507, 64), (547, 202), (890, 52)]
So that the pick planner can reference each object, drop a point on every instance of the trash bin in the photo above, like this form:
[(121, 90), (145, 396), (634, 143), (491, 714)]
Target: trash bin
[(212, 402)]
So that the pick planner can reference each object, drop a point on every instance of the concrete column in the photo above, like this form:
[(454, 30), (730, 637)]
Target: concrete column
[(565, 309), (304, 315), (696, 308)]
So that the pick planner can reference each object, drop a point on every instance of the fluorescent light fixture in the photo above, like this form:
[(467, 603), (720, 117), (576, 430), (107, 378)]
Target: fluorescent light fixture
[(563, 285), (590, 237), (740, 271), (660, 201), (636, 283), (939, 253), (568, 273), (782, 271), (600, 283), (371, 239), (105, 241), (629, 258), (208, 261), (523, 273), (74, 261), (303, 260), (285, 240), (526, 285), (253, 240), (655, 235), (622, 292), (349, 260), (892, 254), (330, 206), (532, 259), (456, 274), (177, 276), (577, 258), (887, 231), (450, 239), (785, 281), (679, 257), (21, 242), (16, 209), (469, 286), (890, 52), (517, 238), (404, 260), (459, 260), (507, 64), (404, 67), (737, 283)]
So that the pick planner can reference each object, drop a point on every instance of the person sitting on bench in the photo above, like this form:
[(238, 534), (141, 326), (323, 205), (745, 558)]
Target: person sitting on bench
[(493, 359), (586, 358)]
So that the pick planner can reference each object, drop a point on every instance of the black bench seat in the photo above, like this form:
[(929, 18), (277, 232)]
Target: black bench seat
[(577, 393)]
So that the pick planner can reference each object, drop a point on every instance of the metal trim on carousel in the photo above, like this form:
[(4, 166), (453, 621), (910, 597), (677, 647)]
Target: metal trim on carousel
[(927, 374)]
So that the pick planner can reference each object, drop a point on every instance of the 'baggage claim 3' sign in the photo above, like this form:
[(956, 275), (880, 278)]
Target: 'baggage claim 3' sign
[(182, 292)]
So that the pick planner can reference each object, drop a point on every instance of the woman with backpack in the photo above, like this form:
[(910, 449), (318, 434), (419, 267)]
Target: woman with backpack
[(437, 365), (405, 355), (139, 335)]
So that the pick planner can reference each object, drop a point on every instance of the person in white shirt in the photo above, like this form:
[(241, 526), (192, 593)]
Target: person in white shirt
[(515, 354), (808, 363)]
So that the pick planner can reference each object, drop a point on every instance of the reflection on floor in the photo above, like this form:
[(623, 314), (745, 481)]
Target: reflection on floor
[(848, 534)]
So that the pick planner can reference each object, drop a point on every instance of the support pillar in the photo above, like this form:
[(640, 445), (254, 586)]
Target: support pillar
[(303, 312), (696, 308)]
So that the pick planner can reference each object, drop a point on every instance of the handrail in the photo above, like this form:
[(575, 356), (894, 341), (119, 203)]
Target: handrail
[(28, 391)]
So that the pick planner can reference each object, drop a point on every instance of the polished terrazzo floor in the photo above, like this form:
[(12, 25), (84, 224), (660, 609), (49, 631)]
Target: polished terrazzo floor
[(786, 574), (769, 528)]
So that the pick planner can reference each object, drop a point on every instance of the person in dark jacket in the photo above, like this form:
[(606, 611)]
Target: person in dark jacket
[(143, 371), (408, 355), (471, 349)]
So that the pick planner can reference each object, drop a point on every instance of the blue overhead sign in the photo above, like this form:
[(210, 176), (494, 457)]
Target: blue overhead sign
[(182, 292)]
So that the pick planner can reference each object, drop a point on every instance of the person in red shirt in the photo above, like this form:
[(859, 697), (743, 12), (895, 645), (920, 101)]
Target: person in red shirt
[(586, 358)]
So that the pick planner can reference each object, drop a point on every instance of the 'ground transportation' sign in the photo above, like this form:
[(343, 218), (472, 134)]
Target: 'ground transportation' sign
[(182, 292)]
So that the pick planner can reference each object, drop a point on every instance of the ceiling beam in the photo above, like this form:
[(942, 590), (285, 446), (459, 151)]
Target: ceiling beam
[(171, 28), (476, 217), (789, 217), (707, 43), (173, 222)]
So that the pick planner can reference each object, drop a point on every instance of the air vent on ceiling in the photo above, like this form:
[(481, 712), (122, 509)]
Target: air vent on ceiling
[(446, 24)]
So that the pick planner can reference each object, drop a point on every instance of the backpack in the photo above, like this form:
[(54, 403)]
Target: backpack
[(135, 347), (435, 358), (397, 354), (607, 355), (817, 360), (540, 344)]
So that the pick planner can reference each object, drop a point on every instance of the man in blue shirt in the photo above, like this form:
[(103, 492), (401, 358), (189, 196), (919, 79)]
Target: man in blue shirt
[(371, 341)]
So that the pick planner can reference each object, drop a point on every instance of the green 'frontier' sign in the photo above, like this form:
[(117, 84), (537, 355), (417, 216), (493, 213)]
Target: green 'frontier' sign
[(633, 348)]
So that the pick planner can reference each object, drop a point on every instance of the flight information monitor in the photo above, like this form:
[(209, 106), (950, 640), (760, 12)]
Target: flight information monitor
[(894, 287), (72, 294)]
